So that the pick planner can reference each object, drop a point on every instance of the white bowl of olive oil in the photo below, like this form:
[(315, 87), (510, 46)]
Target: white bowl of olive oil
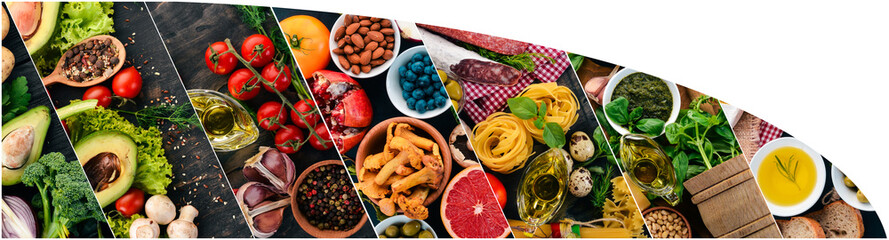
[(790, 175)]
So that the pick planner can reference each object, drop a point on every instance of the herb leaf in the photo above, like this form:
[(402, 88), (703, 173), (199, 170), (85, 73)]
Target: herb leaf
[(522, 107), (788, 169), (635, 114), (15, 98), (553, 135), (651, 126), (617, 111), (181, 115)]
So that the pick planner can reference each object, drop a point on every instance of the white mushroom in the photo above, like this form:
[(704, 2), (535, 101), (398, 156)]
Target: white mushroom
[(161, 209), (184, 226), (144, 228), (580, 183)]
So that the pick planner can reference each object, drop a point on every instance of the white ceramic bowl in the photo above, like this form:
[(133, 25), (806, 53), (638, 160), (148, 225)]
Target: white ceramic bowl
[(401, 219), (846, 193), (609, 90), (820, 175), (393, 87), (373, 71)]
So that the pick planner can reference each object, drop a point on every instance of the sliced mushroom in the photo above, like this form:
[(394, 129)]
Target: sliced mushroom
[(458, 141)]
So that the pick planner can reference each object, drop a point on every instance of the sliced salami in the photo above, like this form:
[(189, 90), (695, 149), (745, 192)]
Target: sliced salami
[(496, 44), (486, 72)]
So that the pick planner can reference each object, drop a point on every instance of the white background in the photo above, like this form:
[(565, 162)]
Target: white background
[(817, 69)]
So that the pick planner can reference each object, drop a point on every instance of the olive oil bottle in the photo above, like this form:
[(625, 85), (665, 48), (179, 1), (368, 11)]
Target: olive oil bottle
[(649, 166), (543, 188), (228, 125)]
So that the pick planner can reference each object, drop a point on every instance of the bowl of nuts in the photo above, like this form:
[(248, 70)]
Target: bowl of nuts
[(324, 202), (664, 222), (362, 46)]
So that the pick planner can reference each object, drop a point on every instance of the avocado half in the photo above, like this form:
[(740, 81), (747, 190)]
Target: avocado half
[(109, 160), (38, 119), (49, 17)]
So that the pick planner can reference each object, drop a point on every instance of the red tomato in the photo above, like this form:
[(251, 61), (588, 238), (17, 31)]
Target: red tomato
[(304, 106), (235, 190), (271, 116), (289, 139), (131, 202), (273, 75), (127, 83), (219, 62), (499, 190), (242, 84), (99, 92), (258, 50), (321, 130)]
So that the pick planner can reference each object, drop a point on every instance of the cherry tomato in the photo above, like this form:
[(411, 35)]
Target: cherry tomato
[(304, 106), (224, 63), (321, 130), (289, 138), (235, 190), (241, 84), (271, 115), (131, 202), (258, 49), (499, 190), (273, 75), (127, 83), (99, 92)]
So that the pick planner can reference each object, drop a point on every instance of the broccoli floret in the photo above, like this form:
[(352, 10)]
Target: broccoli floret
[(63, 184)]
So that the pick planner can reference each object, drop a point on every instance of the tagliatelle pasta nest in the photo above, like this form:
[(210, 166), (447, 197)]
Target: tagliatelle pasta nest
[(623, 206), (561, 106), (502, 143)]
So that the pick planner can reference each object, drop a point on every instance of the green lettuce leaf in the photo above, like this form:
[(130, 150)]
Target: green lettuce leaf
[(77, 21)]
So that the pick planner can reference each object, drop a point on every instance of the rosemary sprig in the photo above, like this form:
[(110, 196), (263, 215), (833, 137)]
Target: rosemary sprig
[(601, 185), (181, 115), (786, 170), (523, 61)]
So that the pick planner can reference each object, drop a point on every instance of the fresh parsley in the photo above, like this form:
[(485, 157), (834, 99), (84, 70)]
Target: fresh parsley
[(15, 98)]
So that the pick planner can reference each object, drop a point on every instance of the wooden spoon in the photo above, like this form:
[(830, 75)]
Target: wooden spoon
[(58, 75)]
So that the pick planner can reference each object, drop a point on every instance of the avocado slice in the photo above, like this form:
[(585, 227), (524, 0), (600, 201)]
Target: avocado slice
[(49, 17), (109, 160), (35, 123)]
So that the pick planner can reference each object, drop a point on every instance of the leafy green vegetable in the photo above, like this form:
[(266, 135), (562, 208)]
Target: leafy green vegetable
[(77, 21), (182, 115), (701, 138), (522, 107), (523, 61), (576, 60), (617, 112), (15, 98), (553, 135), (120, 225), (525, 108), (153, 172), (64, 194)]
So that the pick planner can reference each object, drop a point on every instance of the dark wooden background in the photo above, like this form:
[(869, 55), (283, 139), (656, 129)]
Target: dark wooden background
[(56, 139), (187, 30), (197, 177)]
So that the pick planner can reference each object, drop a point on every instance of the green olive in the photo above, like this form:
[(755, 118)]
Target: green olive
[(848, 182), (410, 229), (393, 231), (861, 197), (382, 236), (425, 234)]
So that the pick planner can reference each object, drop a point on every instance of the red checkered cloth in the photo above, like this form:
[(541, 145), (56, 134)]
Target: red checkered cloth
[(768, 132), (483, 100)]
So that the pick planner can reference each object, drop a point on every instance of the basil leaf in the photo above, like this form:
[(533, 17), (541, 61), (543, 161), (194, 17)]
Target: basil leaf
[(651, 126), (673, 131), (553, 135), (699, 118), (576, 60), (680, 165), (636, 114), (694, 170), (539, 123), (522, 107), (541, 113), (617, 111), (725, 132)]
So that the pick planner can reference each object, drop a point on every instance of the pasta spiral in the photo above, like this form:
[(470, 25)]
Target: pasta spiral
[(561, 106), (501, 143)]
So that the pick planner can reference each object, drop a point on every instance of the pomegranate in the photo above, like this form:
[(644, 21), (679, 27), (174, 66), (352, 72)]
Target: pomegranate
[(344, 105)]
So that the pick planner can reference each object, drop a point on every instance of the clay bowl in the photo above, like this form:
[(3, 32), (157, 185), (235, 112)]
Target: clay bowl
[(58, 77), (645, 213), (304, 222), (375, 139)]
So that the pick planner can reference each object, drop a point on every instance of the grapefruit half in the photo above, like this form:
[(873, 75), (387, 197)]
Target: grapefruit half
[(469, 208)]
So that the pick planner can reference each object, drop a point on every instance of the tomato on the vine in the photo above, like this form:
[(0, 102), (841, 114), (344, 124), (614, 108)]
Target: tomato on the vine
[(289, 139), (304, 106), (99, 92), (499, 190), (131, 202), (258, 50), (308, 39), (224, 63), (127, 83), (242, 84), (273, 75), (271, 115), (322, 132)]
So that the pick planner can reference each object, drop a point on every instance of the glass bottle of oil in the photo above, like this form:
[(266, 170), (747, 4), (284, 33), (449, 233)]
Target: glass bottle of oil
[(543, 188), (649, 166), (228, 125)]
